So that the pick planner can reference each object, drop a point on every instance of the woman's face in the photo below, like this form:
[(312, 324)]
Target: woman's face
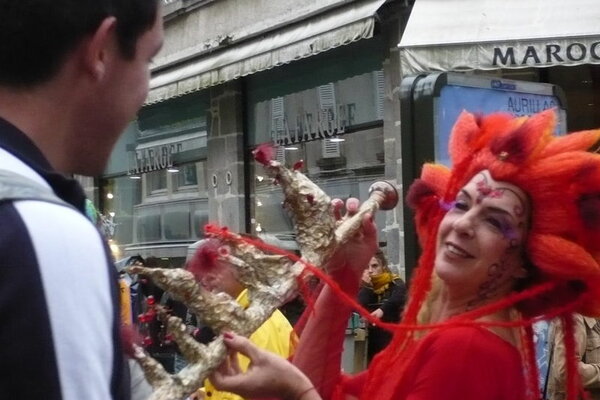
[(480, 240), (375, 267)]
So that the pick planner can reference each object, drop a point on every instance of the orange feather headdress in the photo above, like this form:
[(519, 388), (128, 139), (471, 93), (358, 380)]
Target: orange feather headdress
[(559, 174)]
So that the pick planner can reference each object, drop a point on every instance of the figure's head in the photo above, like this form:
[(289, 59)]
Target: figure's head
[(224, 279), (43, 33), (481, 238), (97, 51), (543, 194), (378, 264), (213, 273)]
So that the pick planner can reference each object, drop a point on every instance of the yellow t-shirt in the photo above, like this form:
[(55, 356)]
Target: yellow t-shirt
[(275, 335)]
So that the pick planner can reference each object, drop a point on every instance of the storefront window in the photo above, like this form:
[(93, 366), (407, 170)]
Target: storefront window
[(327, 114), (188, 175), (148, 224), (177, 222), (156, 182), (158, 202)]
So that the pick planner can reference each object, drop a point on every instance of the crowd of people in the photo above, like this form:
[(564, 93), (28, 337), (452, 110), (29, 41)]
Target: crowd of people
[(510, 235)]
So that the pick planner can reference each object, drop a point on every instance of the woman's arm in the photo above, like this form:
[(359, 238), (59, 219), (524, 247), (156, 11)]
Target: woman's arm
[(320, 349), (393, 305)]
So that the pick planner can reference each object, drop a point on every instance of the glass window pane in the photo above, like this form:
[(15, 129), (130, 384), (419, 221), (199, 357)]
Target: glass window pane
[(200, 218), (177, 221), (156, 181), (148, 224), (187, 175), (120, 196)]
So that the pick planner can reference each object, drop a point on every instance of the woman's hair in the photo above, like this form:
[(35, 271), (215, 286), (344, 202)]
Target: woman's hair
[(380, 256)]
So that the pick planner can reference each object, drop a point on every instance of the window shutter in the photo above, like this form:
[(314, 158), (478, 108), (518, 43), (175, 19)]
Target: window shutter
[(326, 105), (331, 149), (280, 154), (378, 81), (277, 114)]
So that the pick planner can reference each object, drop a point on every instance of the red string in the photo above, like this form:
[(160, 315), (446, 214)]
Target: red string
[(466, 319), (403, 337)]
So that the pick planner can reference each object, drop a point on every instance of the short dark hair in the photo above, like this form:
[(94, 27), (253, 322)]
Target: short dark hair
[(37, 35)]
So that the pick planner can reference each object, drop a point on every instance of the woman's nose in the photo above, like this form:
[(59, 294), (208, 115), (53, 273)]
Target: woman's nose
[(464, 224)]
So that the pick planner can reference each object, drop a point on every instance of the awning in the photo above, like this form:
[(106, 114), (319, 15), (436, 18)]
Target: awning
[(334, 28), (463, 35)]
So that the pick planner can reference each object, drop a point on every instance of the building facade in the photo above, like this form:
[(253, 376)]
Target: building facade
[(319, 79)]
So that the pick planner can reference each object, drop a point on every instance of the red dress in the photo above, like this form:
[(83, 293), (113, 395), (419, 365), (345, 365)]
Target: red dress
[(460, 363)]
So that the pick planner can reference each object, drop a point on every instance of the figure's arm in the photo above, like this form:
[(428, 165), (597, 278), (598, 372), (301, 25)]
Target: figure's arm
[(392, 305), (590, 372), (320, 349)]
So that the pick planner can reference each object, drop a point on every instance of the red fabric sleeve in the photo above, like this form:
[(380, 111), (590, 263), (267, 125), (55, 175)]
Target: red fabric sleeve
[(352, 385), (319, 351)]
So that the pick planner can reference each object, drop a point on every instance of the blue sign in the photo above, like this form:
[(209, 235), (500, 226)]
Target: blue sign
[(454, 99)]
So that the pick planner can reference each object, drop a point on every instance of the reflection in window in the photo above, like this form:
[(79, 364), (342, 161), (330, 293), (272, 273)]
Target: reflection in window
[(148, 225), (125, 193), (177, 222), (191, 177), (200, 219), (187, 175), (344, 170), (156, 182)]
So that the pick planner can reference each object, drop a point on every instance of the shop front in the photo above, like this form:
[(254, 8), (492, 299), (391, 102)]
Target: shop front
[(154, 193), (325, 113), (524, 56)]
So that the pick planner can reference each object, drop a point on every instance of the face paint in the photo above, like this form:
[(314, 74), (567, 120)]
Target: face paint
[(447, 205), (480, 237), (485, 190)]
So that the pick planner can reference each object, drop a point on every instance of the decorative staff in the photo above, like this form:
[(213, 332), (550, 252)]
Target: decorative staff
[(271, 279)]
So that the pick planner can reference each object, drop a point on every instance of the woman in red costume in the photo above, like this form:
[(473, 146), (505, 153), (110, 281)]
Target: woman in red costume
[(510, 235)]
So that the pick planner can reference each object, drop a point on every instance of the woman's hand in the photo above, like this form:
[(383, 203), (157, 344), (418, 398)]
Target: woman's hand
[(355, 254), (377, 313), (268, 375), (366, 277)]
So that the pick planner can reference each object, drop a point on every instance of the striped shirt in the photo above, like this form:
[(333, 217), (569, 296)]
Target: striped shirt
[(59, 325)]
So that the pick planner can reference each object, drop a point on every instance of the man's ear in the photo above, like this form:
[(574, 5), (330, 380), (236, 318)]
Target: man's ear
[(98, 49)]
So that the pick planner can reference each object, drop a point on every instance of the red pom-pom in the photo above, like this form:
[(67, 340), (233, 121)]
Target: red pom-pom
[(264, 154), (147, 341), (205, 257), (150, 300), (298, 165)]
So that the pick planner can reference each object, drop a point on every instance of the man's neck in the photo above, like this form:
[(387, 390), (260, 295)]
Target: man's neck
[(41, 118)]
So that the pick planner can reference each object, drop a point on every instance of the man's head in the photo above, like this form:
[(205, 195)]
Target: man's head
[(39, 34), (75, 72)]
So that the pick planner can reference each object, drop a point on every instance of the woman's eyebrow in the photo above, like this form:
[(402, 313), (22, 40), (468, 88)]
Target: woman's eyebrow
[(467, 194), (502, 211)]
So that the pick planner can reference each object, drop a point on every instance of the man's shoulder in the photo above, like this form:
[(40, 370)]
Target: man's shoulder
[(49, 226)]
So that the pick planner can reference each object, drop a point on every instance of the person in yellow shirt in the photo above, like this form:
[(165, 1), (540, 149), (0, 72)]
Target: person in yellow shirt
[(275, 335)]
